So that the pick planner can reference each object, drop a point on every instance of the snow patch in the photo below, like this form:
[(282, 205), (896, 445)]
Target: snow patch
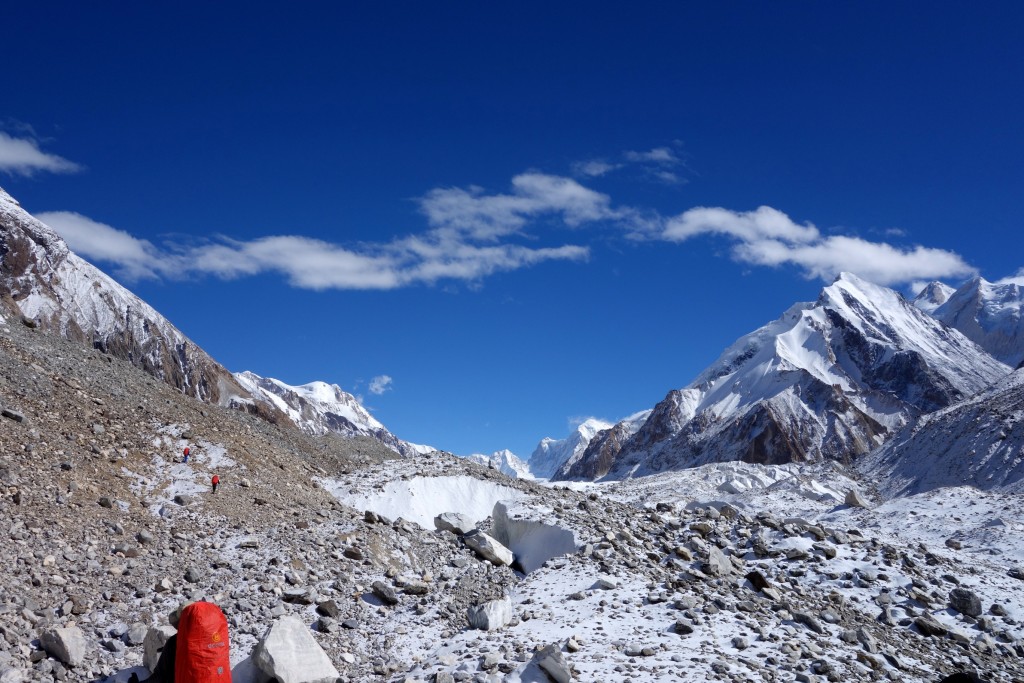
[(420, 499)]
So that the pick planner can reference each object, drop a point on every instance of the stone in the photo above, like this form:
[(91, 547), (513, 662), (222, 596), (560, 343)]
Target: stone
[(136, 633), (384, 593), (454, 522), (488, 548), (757, 580), (929, 626), (153, 643), (288, 653), (329, 608), (717, 564), (965, 601), (808, 621), (65, 644), (12, 415), (551, 660), (491, 615), (854, 499)]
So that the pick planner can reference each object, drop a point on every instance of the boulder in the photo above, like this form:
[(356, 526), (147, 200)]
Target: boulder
[(965, 601), (288, 653), (488, 548), (384, 593), (854, 499), (492, 615), (454, 522), (9, 674), (551, 660), (718, 564), (66, 644), (153, 643)]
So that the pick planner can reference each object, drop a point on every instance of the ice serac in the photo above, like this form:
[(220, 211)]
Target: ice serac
[(978, 442), (320, 408), (531, 532), (830, 379), (990, 315), (551, 453), (44, 281)]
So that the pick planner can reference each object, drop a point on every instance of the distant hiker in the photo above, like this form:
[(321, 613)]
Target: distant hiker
[(187, 451), (215, 481)]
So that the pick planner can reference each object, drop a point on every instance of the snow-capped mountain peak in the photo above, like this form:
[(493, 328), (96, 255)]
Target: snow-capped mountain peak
[(505, 461), (990, 314), (551, 453), (828, 379), (320, 408), (932, 296)]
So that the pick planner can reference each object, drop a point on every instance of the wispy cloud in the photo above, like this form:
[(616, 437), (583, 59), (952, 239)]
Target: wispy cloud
[(380, 384), (594, 168), (136, 259), (22, 156), (659, 164), (1017, 279), (768, 237), (473, 213), (472, 235), (658, 155)]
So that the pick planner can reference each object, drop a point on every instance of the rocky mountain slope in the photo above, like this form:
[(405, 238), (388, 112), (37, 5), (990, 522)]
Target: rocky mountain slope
[(978, 442), (831, 379), (108, 532), (989, 314), (43, 280), (320, 408)]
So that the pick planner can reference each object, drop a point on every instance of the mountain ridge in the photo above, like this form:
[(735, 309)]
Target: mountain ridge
[(828, 379)]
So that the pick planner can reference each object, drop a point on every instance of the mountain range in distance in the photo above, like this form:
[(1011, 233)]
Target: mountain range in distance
[(860, 375)]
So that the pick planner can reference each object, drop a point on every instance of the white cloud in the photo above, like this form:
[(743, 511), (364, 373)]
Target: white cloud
[(769, 237), (658, 155), (470, 238), (135, 258), (765, 222), (1017, 279), (486, 217), (594, 167), (23, 156), (380, 384)]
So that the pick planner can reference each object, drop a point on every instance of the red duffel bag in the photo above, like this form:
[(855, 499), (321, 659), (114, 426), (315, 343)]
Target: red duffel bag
[(203, 654)]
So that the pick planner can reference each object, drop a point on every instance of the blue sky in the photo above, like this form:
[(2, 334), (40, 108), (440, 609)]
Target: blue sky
[(521, 215)]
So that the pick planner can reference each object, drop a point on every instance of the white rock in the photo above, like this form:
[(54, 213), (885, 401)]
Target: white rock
[(492, 615), (453, 521), (488, 548), (66, 644), (552, 661), (289, 653)]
